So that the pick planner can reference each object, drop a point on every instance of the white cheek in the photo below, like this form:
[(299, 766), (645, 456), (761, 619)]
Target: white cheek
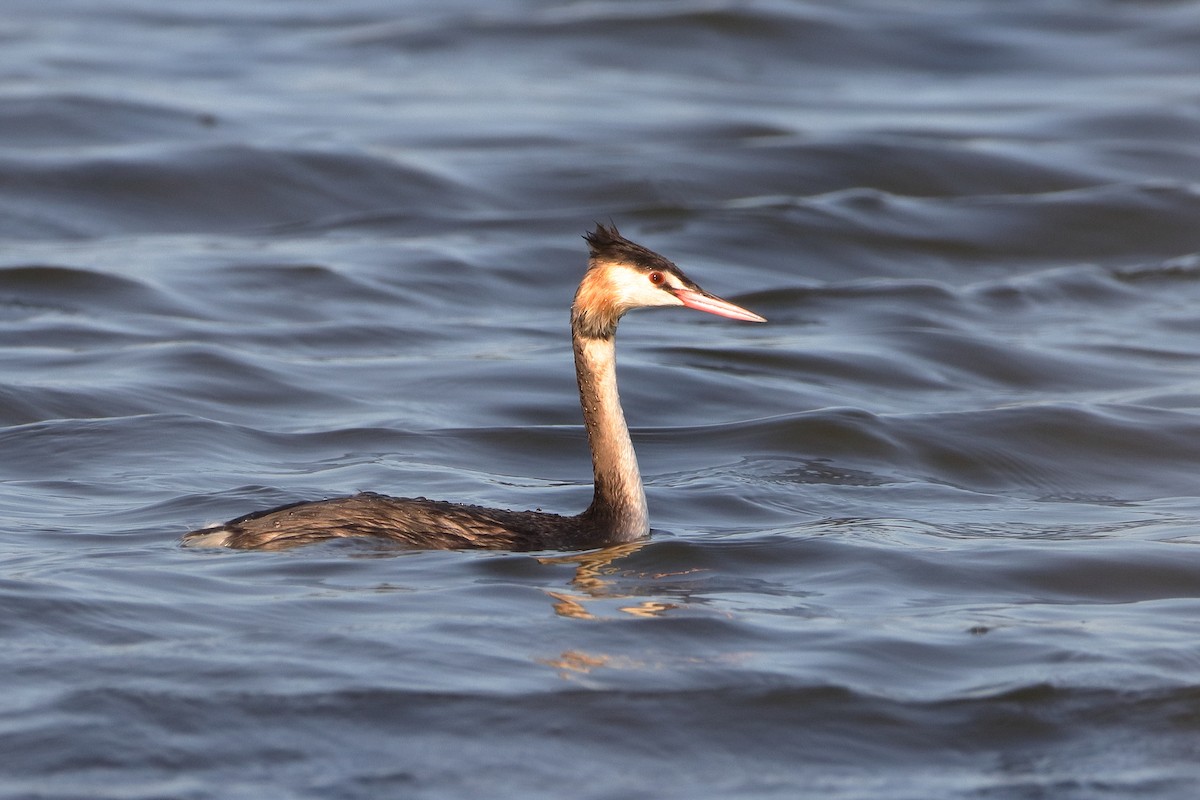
[(636, 290)]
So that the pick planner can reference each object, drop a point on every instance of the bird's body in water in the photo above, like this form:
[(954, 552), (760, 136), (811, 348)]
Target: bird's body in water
[(621, 276)]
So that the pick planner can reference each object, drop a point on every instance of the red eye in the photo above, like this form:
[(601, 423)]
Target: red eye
[(656, 278)]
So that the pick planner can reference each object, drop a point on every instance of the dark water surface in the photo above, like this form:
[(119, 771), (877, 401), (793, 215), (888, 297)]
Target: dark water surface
[(931, 533)]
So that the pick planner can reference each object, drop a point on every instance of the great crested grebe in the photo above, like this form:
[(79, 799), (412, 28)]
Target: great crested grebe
[(621, 276)]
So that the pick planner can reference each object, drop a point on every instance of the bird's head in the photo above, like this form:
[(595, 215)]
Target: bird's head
[(623, 276)]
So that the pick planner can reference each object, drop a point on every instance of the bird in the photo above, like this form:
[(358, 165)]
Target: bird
[(621, 276)]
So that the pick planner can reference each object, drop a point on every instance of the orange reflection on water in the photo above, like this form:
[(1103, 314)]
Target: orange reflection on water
[(576, 661), (593, 582)]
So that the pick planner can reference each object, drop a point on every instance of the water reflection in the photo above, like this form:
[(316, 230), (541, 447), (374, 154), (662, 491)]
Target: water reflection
[(593, 571), (578, 662)]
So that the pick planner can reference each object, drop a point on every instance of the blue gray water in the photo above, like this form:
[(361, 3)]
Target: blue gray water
[(932, 532)]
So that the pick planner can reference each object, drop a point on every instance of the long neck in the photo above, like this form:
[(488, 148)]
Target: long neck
[(619, 502)]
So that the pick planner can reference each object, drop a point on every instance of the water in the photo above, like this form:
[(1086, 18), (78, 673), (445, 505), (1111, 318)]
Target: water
[(930, 533)]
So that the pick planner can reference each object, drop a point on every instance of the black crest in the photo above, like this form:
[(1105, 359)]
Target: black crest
[(607, 244)]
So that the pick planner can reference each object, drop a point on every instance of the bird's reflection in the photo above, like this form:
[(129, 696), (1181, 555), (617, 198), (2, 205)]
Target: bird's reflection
[(593, 582), (600, 580)]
